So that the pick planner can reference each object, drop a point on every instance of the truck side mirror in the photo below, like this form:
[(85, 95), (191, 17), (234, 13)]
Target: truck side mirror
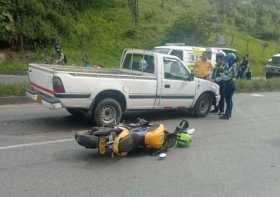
[(191, 77)]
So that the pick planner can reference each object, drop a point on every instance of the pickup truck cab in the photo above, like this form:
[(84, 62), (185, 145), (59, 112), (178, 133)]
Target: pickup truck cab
[(146, 80)]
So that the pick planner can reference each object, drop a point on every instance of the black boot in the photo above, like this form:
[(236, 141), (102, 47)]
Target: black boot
[(224, 117)]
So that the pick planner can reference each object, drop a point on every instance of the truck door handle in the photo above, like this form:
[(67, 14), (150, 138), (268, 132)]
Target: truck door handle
[(167, 86)]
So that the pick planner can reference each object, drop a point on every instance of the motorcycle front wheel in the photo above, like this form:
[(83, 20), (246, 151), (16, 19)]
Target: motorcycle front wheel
[(170, 140)]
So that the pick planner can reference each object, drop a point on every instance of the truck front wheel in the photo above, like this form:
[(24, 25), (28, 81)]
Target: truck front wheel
[(107, 112), (203, 105)]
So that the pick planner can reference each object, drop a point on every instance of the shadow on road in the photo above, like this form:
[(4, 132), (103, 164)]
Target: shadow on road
[(156, 115), (89, 158), (43, 125)]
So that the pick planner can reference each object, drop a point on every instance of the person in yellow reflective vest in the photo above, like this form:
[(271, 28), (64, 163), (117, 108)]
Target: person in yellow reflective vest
[(202, 67)]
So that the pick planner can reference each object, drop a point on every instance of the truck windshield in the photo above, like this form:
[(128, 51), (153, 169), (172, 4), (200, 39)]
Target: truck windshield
[(276, 60)]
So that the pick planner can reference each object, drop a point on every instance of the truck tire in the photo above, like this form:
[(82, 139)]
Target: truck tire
[(203, 105), (107, 112)]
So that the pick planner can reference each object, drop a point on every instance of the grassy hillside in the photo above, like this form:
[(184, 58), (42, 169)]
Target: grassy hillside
[(103, 29)]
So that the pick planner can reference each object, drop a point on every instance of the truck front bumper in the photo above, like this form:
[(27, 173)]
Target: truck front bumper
[(48, 101)]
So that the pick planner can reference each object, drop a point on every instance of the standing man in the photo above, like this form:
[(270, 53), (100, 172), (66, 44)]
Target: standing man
[(202, 68), (244, 67), (227, 76), (59, 55), (216, 77)]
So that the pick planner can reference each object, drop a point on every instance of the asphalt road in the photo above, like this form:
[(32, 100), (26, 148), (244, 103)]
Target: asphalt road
[(240, 157)]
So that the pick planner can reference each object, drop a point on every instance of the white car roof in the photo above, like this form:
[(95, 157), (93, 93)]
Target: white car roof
[(188, 48), (218, 48), (148, 52), (277, 55), (194, 47)]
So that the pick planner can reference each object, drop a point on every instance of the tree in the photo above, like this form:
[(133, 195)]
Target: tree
[(29, 23), (134, 9)]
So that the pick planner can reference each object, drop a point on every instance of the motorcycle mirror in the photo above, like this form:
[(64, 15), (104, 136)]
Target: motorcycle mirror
[(184, 124), (162, 156)]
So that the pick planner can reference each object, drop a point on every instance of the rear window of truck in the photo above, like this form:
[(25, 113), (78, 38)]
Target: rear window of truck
[(139, 62)]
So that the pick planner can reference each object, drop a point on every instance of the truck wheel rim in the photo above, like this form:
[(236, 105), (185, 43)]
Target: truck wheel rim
[(203, 106), (108, 114)]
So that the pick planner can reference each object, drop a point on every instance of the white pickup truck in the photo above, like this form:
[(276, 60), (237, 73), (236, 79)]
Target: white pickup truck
[(146, 80)]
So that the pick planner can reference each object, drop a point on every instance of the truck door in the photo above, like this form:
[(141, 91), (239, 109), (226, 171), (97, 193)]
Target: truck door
[(142, 89), (177, 87)]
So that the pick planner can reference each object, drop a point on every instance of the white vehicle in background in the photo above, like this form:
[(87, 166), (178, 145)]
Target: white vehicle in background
[(146, 80), (213, 51), (188, 54), (191, 54)]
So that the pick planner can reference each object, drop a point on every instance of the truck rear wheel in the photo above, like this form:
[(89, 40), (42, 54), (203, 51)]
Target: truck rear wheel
[(203, 105), (107, 112)]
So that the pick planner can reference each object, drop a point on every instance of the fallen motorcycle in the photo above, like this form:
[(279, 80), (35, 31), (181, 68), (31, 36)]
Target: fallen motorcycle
[(122, 139)]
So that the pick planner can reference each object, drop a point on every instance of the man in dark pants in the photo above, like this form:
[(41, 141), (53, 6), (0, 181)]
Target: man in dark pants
[(227, 76), (229, 89)]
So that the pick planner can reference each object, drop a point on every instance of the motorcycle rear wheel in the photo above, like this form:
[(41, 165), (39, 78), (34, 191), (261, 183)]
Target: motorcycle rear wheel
[(86, 139)]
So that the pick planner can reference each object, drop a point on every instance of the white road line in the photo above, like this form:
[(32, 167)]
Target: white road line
[(257, 95), (36, 144)]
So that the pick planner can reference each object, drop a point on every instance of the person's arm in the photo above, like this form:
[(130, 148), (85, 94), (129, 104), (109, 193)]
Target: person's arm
[(195, 69), (211, 66)]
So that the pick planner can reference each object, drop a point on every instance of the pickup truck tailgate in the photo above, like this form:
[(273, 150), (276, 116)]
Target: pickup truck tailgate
[(40, 78)]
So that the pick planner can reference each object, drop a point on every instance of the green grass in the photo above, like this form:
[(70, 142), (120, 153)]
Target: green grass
[(103, 32), (258, 85), (12, 89), (13, 67)]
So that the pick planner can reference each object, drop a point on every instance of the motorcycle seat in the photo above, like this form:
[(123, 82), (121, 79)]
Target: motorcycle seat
[(103, 131), (138, 138)]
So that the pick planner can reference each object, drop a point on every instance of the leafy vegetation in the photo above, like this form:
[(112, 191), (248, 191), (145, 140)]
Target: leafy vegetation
[(258, 85), (32, 23), (258, 18), (13, 67)]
